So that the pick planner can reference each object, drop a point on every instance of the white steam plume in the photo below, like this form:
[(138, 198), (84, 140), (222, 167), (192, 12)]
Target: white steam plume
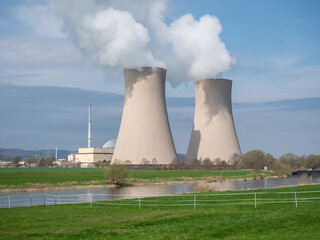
[(133, 33), (111, 37)]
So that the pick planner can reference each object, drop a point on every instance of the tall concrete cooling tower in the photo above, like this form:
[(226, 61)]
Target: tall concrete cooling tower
[(213, 135), (144, 136)]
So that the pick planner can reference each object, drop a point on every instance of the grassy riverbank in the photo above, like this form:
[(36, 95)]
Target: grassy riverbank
[(80, 221), (38, 178)]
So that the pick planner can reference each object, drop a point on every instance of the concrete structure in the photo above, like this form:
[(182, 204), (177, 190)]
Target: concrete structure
[(87, 165), (89, 127), (213, 135), (144, 135), (90, 155)]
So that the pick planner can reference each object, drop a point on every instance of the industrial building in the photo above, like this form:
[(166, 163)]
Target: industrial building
[(92, 154), (213, 135), (144, 135)]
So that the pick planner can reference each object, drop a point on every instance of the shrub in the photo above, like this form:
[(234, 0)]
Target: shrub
[(281, 169), (117, 174), (205, 187), (254, 176), (221, 176), (303, 179)]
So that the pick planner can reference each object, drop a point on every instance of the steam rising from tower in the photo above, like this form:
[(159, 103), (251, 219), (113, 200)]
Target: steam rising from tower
[(126, 34), (144, 136), (213, 135)]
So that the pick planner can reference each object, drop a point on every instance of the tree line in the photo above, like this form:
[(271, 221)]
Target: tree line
[(284, 165), (40, 162)]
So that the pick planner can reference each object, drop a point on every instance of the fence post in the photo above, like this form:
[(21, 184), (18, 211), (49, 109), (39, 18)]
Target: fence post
[(30, 200), (90, 197), (9, 201), (44, 200), (255, 200), (295, 198), (194, 202), (139, 203), (55, 199)]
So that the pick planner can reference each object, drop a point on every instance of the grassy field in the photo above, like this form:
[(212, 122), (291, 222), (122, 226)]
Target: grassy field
[(80, 221), (54, 177)]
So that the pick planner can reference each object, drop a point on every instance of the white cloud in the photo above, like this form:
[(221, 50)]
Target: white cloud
[(39, 51), (52, 63), (284, 61), (277, 77), (40, 19)]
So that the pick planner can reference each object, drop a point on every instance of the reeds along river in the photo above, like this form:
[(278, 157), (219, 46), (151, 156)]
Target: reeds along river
[(98, 194)]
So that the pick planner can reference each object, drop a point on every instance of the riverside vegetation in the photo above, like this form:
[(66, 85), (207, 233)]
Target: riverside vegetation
[(205, 170), (37, 178), (229, 222)]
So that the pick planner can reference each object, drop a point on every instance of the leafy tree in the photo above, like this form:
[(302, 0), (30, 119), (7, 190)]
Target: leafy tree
[(235, 160), (30, 160), (220, 163), (291, 159), (41, 162), (312, 161), (281, 169), (207, 162), (117, 174), (48, 161), (145, 162), (16, 161), (195, 163), (270, 160), (254, 159)]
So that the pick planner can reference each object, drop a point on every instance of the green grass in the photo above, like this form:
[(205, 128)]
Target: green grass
[(34, 177), (79, 221)]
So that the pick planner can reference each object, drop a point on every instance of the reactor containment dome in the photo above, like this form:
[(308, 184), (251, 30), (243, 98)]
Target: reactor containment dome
[(110, 144)]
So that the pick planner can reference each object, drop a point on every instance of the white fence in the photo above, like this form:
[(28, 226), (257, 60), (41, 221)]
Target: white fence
[(192, 200)]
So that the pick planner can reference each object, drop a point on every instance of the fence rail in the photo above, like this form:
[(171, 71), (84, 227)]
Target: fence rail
[(195, 200)]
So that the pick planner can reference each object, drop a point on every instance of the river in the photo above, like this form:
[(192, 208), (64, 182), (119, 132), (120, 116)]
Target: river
[(99, 194)]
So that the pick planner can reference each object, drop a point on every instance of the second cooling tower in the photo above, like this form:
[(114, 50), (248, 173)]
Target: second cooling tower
[(144, 136), (213, 135)]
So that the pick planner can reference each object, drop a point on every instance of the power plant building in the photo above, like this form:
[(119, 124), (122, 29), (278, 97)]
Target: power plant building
[(92, 154), (144, 135), (213, 135)]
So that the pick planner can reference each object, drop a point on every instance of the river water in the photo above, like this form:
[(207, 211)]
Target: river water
[(99, 194)]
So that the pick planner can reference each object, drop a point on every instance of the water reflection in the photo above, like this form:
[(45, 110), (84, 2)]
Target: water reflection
[(99, 194)]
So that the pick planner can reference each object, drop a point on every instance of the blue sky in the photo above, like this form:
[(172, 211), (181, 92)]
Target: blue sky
[(275, 45)]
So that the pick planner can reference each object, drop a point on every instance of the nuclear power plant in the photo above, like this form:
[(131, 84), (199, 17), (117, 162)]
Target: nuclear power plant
[(144, 135), (213, 135)]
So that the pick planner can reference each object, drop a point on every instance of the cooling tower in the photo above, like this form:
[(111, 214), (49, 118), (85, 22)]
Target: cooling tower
[(144, 136), (213, 135)]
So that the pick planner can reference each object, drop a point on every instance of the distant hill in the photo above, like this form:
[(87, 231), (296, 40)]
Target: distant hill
[(7, 154)]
